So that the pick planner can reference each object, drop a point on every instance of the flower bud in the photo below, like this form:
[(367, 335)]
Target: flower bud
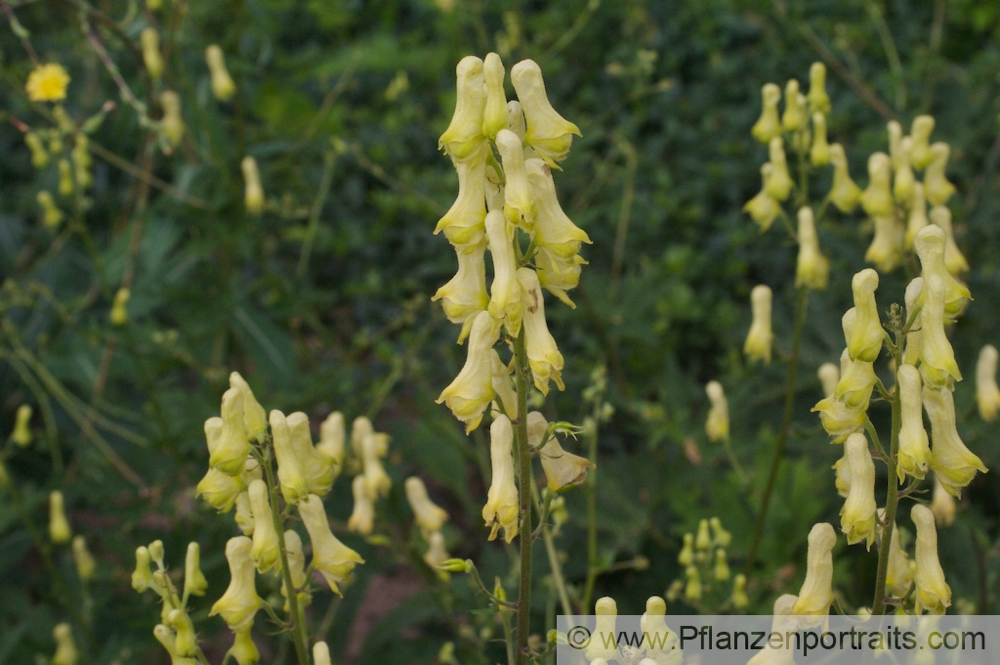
[(721, 570), (553, 229), (362, 519), (557, 274), (456, 565), (603, 643), (812, 269), (794, 117), (219, 489), (717, 423), (739, 598), (195, 583), (39, 156), (816, 594), (857, 516), (66, 186), (230, 454), (819, 101), (244, 651), (914, 447), (222, 83), (429, 516), (819, 152), (768, 126), (59, 531), (953, 464), (659, 639), (317, 467), (914, 339), (903, 182), (760, 337), (332, 437), (877, 198), (920, 133), (266, 552), (151, 57), (52, 216), (501, 509), (544, 357), (866, 336), (917, 218), (472, 390), (703, 541), (173, 123), (548, 133), (954, 261), (321, 653), (376, 479), (692, 586), (762, 208), (21, 435), (495, 109), (66, 652), (360, 429), (331, 558), (930, 245), (464, 296), (844, 193), (886, 250), (463, 223), (936, 185), (142, 576), (828, 375), (933, 594), (119, 308), (987, 392), (464, 137), (943, 504), (938, 365), (82, 559), (185, 639), (779, 184), (253, 193), (297, 568), (686, 556)]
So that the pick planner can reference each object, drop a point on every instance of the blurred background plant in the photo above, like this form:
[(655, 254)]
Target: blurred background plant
[(122, 319)]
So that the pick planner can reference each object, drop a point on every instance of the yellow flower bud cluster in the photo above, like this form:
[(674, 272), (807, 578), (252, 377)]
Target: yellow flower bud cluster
[(368, 448), (705, 562), (504, 153), (430, 518), (660, 644)]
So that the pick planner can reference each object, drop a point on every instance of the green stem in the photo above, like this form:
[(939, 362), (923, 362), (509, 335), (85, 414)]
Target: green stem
[(299, 637), (550, 550), (524, 482), (786, 425), (891, 503), (592, 563)]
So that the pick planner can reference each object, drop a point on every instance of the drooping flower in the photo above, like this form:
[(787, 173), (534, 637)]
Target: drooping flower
[(47, 83), (857, 517), (464, 137), (222, 83), (929, 243), (553, 228), (297, 568), (548, 133), (195, 583), (953, 464), (495, 108), (291, 473), (886, 250), (317, 466), (501, 509), (265, 552), (760, 337), (254, 416), (938, 365), (779, 185), (428, 515), (987, 391), (463, 223), (519, 206), (899, 575), (604, 642), (472, 390), (505, 291), (717, 423), (932, 594), (331, 558), (819, 152), (876, 199), (816, 595), (763, 208), (240, 602), (768, 126), (230, 453), (914, 446), (465, 294), (920, 133), (954, 260), (362, 519), (812, 269), (544, 358), (828, 375), (819, 101), (864, 342), (936, 185), (558, 275), (563, 470), (844, 193)]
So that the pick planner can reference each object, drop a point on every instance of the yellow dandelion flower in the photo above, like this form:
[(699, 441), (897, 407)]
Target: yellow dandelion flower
[(47, 83)]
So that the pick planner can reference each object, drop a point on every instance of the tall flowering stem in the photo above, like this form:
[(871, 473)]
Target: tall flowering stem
[(524, 482)]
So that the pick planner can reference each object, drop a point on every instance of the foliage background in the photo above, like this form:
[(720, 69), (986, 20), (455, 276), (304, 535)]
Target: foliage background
[(323, 302)]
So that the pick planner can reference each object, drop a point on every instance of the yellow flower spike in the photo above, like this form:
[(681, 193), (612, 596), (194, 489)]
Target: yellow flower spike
[(240, 602), (472, 390), (321, 654), (828, 375), (82, 559), (544, 358), (59, 531), (376, 479), (47, 83), (604, 643), (914, 446), (553, 228), (173, 123), (21, 435), (739, 597), (720, 537), (914, 338), (142, 576), (464, 296), (842, 477), (495, 110), (244, 651), (943, 504), (844, 193), (317, 467), (436, 553), (768, 126), (463, 223), (505, 291), (253, 192), (938, 366), (332, 437), (954, 260), (65, 187), (779, 184), (763, 208), (150, 40), (66, 652), (819, 152), (876, 199), (692, 586), (330, 556), (230, 453), (266, 553), (503, 385), (562, 470), (936, 185), (816, 594), (929, 243), (195, 583), (52, 216), (721, 570), (464, 137), (39, 155), (819, 101), (953, 464), (812, 269), (297, 567), (920, 133), (760, 337), (857, 516), (886, 250), (501, 509), (519, 205), (917, 217), (119, 308), (686, 557), (717, 423), (185, 639), (903, 182), (550, 134), (899, 575), (243, 516), (429, 516), (933, 594), (864, 342), (362, 519), (515, 119), (222, 83), (987, 391), (794, 118)]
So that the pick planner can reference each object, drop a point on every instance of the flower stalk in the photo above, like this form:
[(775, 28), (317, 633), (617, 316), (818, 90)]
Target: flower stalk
[(525, 480)]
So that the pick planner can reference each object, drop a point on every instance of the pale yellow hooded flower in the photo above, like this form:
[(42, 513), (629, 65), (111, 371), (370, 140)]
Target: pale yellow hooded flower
[(914, 446), (321, 653), (660, 641), (782, 623), (932, 594), (812, 269), (816, 595), (240, 602), (297, 568), (332, 437), (376, 478), (720, 537), (150, 41), (222, 83), (828, 375), (464, 296), (917, 217), (472, 390), (505, 291), (794, 117), (501, 509), (563, 470), (693, 587), (930, 243), (886, 250), (558, 275), (230, 453), (842, 475), (495, 108), (59, 531), (739, 597), (362, 519), (760, 337), (954, 260), (291, 471), (943, 504), (66, 651), (987, 391), (185, 639), (920, 133), (857, 516), (763, 208), (953, 464), (173, 123), (936, 185), (244, 651), (553, 228), (938, 365), (463, 224), (331, 558), (519, 207), (544, 358), (503, 385), (768, 126), (603, 643), (266, 553), (779, 185), (244, 516), (254, 416), (717, 423), (548, 133), (464, 137), (686, 556), (819, 101), (428, 515), (844, 193), (876, 199), (819, 152), (360, 429), (165, 636), (899, 574), (903, 182), (253, 191), (515, 119), (195, 583)]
